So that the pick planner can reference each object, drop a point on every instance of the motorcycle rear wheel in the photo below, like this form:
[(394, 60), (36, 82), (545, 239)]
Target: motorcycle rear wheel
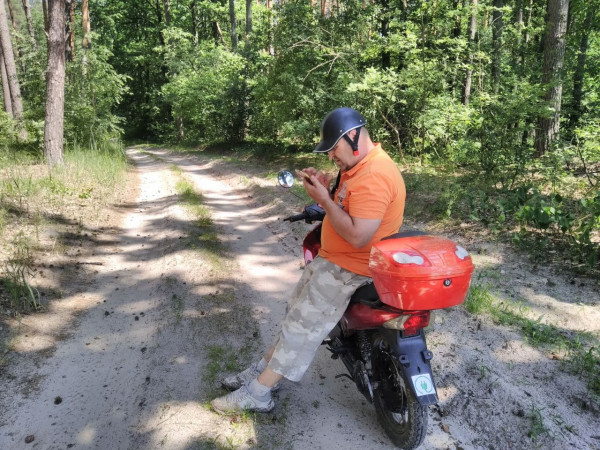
[(400, 414)]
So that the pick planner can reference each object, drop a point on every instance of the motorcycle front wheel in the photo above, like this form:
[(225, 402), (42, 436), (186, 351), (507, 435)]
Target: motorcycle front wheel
[(400, 414)]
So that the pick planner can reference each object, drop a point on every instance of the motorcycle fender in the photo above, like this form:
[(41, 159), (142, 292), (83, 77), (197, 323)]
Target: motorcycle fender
[(414, 358)]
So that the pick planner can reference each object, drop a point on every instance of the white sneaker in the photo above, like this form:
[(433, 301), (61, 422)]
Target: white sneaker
[(234, 382), (241, 400)]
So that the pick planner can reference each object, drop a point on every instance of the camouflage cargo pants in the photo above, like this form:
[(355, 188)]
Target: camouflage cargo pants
[(316, 305)]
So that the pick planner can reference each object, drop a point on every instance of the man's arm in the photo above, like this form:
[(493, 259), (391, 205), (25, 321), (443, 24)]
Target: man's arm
[(357, 232)]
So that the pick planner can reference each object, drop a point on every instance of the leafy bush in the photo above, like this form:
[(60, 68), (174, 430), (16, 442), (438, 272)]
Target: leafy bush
[(573, 225), (8, 130), (92, 91), (206, 95)]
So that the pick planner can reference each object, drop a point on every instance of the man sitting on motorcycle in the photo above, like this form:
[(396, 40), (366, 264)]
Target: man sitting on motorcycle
[(366, 205)]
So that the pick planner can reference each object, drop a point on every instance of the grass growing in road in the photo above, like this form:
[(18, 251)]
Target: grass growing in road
[(194, 202), (205, 237), (220, 359), (582, 353), (35, 198), (537, 426)]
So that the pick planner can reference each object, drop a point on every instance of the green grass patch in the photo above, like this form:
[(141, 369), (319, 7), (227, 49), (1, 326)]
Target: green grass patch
[(16, 273), (220, 359), (193, 201), (536, 422), (176, 169), (177, 307), (581, 350), (34, 196), (479, 299), (205, 237), (224, 296), (3, 219)]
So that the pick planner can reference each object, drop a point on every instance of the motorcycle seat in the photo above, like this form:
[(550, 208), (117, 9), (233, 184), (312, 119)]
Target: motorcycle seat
[(366, 294), (405, 234)]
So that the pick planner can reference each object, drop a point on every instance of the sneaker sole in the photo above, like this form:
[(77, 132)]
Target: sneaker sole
[(231, 387), (267, 409)]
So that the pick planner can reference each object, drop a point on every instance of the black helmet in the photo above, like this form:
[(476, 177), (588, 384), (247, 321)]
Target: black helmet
[(335, 126)]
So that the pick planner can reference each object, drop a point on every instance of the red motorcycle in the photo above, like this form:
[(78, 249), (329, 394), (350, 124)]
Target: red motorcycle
[(380, 338)]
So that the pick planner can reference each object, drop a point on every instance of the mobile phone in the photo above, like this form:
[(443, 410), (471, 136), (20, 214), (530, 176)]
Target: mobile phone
[(304, 175)]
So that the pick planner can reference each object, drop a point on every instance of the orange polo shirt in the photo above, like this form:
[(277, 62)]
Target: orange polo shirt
[(372, 189)]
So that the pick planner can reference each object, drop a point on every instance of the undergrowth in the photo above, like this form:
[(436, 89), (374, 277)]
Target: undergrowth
[(581, 349), (551, 220), (35, 197)]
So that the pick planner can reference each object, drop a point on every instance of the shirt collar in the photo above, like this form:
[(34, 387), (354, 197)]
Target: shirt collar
[(376, 148)]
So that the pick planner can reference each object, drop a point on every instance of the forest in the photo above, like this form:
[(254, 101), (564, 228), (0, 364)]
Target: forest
[(496, 101)]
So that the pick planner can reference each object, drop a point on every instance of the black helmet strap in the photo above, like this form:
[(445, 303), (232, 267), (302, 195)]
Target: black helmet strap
[(337, 183), (353, 143)]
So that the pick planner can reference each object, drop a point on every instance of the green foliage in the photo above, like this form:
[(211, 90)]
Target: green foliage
[(92, 91), (545, 218), (16, 274), (479, 299), (8, 131), (584, 151), (537, 427), (206, 95), (494, 139), (402, 64)]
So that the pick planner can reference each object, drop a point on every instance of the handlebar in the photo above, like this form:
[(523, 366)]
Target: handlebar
[(312, 213), (295, 218)]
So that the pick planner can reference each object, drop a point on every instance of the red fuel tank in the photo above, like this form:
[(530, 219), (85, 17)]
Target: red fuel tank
[(420, 272)]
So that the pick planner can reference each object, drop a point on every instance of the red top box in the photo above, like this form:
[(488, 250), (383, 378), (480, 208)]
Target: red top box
[(420, 272)]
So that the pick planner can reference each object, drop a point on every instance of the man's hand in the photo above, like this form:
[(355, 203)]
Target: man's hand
[(316, 189), (356, 231), (323, 178)]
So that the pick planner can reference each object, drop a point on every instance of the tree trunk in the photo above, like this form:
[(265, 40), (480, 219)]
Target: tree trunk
[(528, 22), (167, 6), (46, 21), (178, 119), (11, 12), (385, 32), (86, 41), (195, 31), (580, 69), (11, 69), (30, 28), (471, 32), (5, 89), (457, 6), (16, 33), (519, 21), (159, 17), (248, 19), (554, 56), (271, 47), (55, 84), (218, 34), (70, 30), (456, 29), (497, 44), (233, 25)]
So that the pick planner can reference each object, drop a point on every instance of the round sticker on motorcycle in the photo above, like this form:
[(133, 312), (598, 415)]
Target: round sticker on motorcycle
[(423, 384)]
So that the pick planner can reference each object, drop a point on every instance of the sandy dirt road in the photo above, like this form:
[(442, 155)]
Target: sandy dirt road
[(160, 321)]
